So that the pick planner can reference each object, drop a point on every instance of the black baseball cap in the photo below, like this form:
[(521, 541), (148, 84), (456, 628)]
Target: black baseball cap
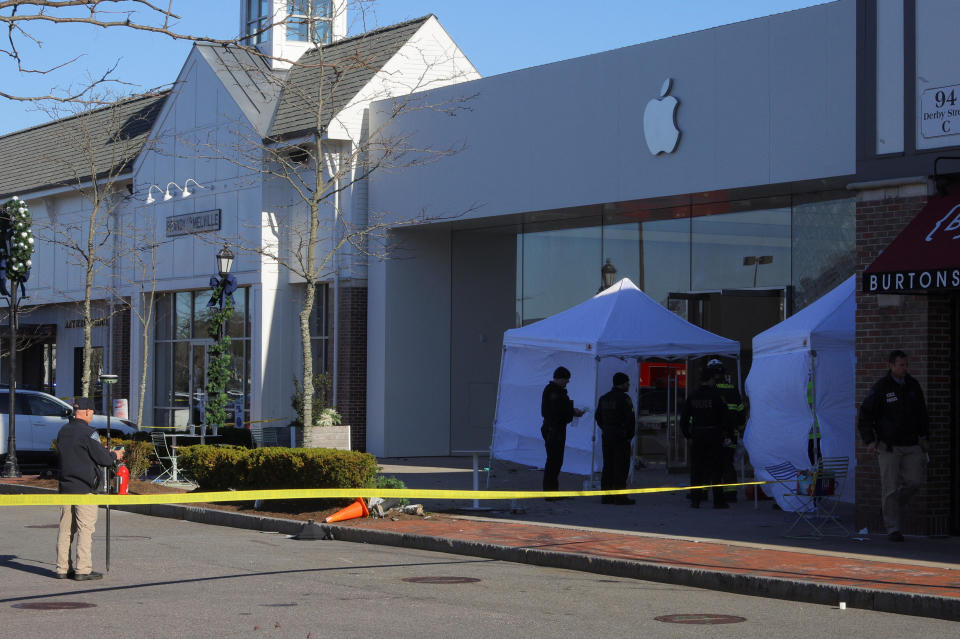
[(83, 403)]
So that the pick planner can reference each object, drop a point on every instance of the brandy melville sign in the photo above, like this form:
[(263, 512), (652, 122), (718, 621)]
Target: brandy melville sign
[(193, 223), (926, 254)]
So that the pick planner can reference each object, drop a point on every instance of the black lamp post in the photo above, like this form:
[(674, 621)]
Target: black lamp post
[(224, 261), (108, 381), (10, 467), (755, 261), (607, 274), (223, 287)]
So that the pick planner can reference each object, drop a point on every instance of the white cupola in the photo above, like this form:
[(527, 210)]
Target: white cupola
[(299, 25)]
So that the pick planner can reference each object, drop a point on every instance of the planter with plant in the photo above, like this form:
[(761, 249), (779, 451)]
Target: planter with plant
[(326, 431)]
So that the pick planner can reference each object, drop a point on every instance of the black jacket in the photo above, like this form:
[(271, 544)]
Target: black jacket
[(894, 413), (556, 407), (705, 417), (81, 457), (615, 415)]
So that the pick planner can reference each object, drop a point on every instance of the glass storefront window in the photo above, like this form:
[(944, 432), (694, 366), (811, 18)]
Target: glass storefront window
[(561, 268), (805, 245), (749, 249), (824, 244), (665, 246), (181, 356), (184, 314)]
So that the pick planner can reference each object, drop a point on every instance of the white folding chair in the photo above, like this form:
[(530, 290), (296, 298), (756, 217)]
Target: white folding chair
[(166, 457), (813, 495)]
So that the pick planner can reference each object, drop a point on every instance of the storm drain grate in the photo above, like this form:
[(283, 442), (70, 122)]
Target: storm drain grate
[(441, 580), (55, 605), (700, 619)]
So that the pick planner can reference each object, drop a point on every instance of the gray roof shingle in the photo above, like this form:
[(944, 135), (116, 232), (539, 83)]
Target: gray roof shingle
[(52, 154), (347, 66)]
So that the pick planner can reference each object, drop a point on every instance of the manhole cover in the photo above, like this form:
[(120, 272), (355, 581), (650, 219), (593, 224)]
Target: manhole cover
[(43, 526), (55, 605), (441, 580), (700, 619)]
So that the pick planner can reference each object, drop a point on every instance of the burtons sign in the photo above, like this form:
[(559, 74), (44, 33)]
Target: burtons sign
[(911, 281), (926, 254)]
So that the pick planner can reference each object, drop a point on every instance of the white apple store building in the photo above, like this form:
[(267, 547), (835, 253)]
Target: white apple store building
[(709, 168)]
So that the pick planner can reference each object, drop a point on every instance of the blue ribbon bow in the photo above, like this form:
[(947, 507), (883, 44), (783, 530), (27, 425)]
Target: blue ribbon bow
[(221, 293)]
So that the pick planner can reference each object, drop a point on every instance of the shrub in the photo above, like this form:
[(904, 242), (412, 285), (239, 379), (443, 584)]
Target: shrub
[(225, 467)]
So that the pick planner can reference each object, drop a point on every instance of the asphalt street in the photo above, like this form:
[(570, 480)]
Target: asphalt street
[(171, 578)]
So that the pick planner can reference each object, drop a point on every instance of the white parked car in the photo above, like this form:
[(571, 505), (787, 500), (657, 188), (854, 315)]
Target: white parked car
[(41, 416)]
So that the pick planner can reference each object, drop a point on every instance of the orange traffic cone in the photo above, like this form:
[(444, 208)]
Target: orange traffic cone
[(354, 510)]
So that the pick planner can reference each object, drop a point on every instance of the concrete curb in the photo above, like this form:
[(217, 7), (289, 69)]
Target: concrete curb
[(737, 583)]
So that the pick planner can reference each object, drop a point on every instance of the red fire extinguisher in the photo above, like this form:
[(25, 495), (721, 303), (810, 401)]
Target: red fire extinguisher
[(123, 479)]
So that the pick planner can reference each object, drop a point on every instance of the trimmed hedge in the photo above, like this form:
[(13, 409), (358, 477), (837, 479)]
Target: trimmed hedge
[(225, 467)]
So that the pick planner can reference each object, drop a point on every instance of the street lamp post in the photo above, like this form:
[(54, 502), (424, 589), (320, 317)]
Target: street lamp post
[(11, 467), (755, 261), (607, 274), (16, 249), (217, 371), (108, 381)]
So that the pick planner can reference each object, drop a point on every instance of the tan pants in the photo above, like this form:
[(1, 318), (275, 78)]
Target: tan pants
[(76, 521), (902, 473)]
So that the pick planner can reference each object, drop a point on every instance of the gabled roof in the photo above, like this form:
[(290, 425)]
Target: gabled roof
[(346, 66), (49, 155), (249, 80)]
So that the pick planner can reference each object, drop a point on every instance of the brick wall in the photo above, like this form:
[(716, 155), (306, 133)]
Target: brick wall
[(120, 349), (921, 326), (352, 363)]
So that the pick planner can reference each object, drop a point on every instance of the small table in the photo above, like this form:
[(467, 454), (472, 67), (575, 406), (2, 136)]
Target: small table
[(174, 468), (476, 474)]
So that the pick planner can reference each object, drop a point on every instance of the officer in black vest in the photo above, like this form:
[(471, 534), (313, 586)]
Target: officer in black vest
[(557, 411), (737, 413), (706, 422), (617, 420)]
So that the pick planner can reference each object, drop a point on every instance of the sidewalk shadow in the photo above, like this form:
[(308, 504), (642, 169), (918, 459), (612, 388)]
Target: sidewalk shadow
[(9, 561)]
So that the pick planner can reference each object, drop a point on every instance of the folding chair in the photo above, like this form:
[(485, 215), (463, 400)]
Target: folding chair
[(269, 437), (813, 494), (166, 457)]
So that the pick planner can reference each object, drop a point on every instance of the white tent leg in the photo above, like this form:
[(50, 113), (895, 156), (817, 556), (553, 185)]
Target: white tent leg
[(593, 440)]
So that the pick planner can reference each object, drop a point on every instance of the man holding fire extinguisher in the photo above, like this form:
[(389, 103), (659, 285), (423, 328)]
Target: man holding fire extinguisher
[(82, 458)]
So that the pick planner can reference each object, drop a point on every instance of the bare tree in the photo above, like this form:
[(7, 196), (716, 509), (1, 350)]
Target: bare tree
[(95, 150), (25, 20), (310, 231)]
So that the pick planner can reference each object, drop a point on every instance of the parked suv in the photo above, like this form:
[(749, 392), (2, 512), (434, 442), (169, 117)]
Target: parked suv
[(40, 417)]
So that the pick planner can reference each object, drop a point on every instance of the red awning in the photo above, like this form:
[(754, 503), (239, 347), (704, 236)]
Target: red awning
[(925, 256)]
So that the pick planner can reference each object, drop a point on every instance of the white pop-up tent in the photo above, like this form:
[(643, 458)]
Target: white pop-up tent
[(813, 349), (606, 334)]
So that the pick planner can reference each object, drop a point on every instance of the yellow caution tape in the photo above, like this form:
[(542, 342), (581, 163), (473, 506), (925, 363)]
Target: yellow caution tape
[(323, 493)]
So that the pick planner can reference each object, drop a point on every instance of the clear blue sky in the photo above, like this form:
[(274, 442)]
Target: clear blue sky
[(497, 36)]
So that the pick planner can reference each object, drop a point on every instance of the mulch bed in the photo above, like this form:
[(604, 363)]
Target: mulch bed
[(299, 509)]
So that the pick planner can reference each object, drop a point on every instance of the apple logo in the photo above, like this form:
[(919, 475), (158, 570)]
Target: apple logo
[(660, 121)]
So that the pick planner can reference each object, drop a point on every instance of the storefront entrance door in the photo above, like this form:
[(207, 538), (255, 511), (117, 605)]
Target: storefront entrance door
[(198, 383), (737, 314)]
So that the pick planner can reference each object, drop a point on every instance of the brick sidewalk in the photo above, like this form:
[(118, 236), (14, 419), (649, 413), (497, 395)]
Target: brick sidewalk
[(768, 562)]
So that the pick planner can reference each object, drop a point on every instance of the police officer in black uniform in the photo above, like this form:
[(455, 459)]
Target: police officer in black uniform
[(616, 419), (557, 411), (706, 422), (738, 421)]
